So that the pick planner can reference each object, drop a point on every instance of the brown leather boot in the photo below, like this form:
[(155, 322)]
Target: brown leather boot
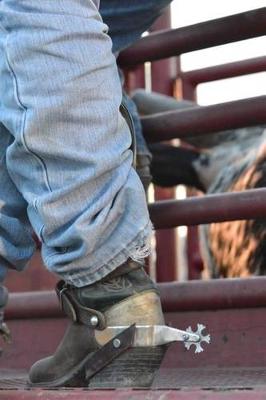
[(86, 356)]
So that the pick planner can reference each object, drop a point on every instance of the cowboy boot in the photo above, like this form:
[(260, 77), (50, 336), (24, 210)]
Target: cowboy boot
[(86, 356)]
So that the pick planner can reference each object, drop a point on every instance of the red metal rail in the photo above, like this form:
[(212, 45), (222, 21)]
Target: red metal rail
[(203, 120), (214, 294), (185, 296), (167, 239), (174, 42), (135, 79), (249, 204), (224, 71)]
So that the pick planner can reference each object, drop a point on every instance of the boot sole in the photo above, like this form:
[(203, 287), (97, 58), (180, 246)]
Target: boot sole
[(135, 368)]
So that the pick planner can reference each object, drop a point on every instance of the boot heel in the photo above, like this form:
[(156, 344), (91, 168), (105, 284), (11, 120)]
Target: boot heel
[(135, 368)]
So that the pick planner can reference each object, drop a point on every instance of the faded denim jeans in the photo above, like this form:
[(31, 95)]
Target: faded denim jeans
[(127, 20), (66, 168)]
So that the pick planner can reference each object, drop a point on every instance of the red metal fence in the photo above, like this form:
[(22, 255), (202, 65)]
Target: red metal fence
[(201, 120), (174, 42)]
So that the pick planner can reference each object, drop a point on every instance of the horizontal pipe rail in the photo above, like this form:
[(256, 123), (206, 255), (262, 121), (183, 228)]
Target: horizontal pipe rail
[(174, 42), (213, 294), (33, 304), (204, 120), (249, 204), (224, 71), (176, 296)]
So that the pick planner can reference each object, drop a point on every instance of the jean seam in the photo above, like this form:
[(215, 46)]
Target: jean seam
[(22, 129)]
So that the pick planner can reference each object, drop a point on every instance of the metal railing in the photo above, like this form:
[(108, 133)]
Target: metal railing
[(204, 120), (174, 42)]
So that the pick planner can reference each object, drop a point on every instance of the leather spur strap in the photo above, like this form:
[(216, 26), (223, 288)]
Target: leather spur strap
[(76, 311), (111, 350)]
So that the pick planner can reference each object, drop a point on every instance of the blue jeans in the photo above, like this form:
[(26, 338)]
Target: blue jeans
[(127, 20), (66, 167)]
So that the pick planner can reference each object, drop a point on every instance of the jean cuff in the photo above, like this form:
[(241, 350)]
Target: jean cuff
[(137, 249)]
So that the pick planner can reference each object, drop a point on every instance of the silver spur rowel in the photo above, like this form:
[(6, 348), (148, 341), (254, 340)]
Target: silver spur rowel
[(202, 338), (156, 335)]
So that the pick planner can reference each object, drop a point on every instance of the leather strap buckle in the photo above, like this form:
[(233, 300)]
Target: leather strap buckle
[(77, 312)]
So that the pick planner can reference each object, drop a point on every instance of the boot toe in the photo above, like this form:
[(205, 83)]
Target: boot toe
[(40, 373)]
